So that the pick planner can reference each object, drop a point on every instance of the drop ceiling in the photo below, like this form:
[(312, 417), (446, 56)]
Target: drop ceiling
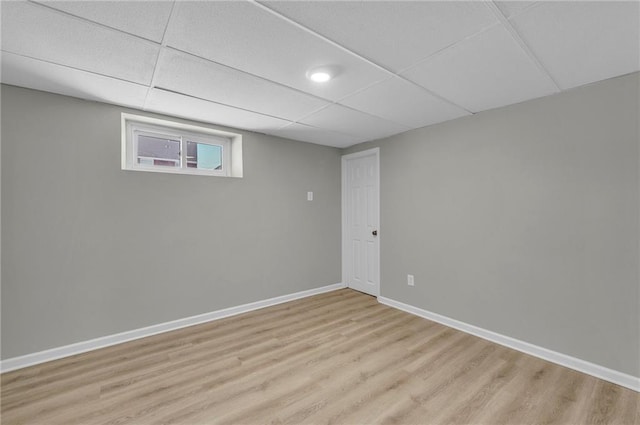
[(401, 65)]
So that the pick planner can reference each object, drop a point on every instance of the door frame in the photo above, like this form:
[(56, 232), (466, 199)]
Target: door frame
[(368, 152)]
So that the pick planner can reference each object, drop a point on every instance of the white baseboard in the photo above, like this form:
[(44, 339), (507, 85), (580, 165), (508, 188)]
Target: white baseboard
[(106, 341), (619, 378)]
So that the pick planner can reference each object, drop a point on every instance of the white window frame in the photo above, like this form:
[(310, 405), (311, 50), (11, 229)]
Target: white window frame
[(134, 125)]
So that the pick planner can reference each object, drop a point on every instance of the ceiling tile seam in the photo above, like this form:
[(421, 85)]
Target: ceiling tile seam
[(163, 44), (318, 35), (297, 120), (523, 44), (224, 104), (74, 68), (163, 41), (367, 87), (435, 94), (328, 101), (338, 133), (413, 83), (358, 56), (448, 47), (90, 22), (435, 55), (355, 110), (369, 61), (356, 136), (336, 103), (345, 49), (525, 10), (391, 120), (333, 145), (289, 122), (300, 92)]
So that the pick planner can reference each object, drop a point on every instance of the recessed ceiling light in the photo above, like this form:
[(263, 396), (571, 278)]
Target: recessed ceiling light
[(320, 77), (321, 74)]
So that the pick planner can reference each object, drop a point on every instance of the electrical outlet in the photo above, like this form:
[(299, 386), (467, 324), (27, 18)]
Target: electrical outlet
[(410, 280)]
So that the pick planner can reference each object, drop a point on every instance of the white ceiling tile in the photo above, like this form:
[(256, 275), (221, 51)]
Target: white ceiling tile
[(242, 35), (583, 42), (201, 110), (35, 74), (38, 32), (344, 120), (252, 61), (146, 19), (511, 8), (198, 77), (392, 34), (401, 101), (484, 72), (310, 134)]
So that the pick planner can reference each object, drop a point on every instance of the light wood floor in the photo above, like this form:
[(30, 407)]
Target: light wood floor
[(335, 358)]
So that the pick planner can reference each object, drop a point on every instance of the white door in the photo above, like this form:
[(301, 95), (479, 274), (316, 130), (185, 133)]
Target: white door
[(360, 219)]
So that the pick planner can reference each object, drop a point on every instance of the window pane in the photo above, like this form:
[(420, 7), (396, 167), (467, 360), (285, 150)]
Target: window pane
[(158, 151), (204, 156)]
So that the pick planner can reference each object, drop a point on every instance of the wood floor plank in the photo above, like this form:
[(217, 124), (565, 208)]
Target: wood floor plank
[(263, 376), (236, 327), (335, 358)]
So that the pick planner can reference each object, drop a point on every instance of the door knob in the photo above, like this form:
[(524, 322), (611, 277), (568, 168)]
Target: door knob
[(374, 233)]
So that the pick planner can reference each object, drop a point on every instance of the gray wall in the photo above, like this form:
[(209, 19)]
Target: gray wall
[(524, 221), (521, 220), (90, 250)]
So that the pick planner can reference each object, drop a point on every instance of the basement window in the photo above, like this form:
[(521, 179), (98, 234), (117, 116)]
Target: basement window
[(155, 145)]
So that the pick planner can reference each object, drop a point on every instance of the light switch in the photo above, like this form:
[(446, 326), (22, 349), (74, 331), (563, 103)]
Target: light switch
[(309, 196)]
